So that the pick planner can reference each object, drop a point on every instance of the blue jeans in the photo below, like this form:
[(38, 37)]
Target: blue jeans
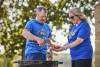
[(36, 56)]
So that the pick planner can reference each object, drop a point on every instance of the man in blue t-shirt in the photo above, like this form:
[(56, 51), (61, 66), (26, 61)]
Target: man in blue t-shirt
[(38, 35)]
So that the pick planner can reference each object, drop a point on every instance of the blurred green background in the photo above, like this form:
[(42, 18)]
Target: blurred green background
[(15, 13)]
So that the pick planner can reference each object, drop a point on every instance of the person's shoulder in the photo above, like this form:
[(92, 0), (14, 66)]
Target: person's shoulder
[(84, 23), (31, 21), (46, 24), (71, 26)]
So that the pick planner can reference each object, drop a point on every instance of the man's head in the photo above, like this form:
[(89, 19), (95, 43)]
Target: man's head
[(41, 14)]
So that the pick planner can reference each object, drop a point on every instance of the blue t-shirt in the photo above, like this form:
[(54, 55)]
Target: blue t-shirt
[(83, 50), (38, 29)]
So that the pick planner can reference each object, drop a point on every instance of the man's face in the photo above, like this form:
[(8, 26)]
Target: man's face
[(42, 16)]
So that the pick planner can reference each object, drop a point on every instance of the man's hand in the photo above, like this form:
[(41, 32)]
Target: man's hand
[(54, 47), (60, 49), (40, 41)]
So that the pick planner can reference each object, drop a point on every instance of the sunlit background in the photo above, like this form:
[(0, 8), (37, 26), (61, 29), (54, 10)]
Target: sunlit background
[(15, 13)]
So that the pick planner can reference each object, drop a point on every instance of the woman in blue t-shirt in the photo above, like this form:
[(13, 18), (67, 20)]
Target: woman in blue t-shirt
[(79, 40)]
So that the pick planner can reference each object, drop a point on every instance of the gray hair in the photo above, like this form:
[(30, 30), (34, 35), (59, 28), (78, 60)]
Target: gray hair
[(40, 8)]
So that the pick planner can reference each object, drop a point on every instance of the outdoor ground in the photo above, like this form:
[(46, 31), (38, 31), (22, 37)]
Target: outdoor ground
[(62, 57)]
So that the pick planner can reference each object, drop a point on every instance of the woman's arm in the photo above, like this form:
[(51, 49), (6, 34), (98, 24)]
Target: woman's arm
[(77, 42)]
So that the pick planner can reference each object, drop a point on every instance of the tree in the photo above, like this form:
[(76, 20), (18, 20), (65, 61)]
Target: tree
[(15, 13), (97, 25)]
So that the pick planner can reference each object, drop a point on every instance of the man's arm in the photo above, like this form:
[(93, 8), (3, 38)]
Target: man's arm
[(29, 36)]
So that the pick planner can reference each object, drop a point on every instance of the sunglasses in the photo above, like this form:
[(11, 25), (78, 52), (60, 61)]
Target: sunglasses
[(72, 17)]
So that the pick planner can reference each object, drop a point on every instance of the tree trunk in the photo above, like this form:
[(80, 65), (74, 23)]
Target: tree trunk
[(97, 28)]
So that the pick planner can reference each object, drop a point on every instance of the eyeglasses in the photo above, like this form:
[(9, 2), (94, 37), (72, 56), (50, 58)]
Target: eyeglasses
[(72, 17)]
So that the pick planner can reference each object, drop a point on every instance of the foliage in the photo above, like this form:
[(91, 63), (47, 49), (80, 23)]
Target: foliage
[(15, 13)]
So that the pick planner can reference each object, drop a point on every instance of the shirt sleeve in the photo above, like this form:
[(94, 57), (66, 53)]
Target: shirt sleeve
[(50, 34), (84, 31), (29, 25)]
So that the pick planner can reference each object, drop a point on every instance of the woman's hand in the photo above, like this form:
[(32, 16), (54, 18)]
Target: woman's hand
[(58, 48), (53, 47)]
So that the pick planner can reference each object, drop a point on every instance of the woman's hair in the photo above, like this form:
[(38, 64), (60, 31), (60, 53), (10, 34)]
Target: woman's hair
[(77, 12)]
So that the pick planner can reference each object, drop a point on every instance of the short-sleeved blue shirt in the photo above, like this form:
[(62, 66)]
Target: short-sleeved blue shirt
[(38, 29), (83, 50)]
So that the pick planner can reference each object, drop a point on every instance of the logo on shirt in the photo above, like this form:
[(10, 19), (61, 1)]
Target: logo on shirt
[(43, 34), (72, 33)]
